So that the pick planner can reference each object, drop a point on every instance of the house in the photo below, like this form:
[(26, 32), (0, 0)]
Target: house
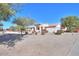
[(64, 28), (53, 28), (47, 27), (76, 30)]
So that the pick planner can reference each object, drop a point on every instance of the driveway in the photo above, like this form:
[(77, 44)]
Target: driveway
[(44, 45)]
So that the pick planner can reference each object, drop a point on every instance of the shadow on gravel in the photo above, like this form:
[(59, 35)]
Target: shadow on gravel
[(10, 39)]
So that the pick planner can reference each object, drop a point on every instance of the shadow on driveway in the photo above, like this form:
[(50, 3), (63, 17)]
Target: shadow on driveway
[(10, 39)]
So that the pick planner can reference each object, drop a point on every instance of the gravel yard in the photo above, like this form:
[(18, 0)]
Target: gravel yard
[(44, 45)]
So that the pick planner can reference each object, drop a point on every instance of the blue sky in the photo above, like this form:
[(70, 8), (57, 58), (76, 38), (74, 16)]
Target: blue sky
[(46, 12)]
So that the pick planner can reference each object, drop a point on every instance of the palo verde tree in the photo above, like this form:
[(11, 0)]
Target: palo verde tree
[(23, 22)]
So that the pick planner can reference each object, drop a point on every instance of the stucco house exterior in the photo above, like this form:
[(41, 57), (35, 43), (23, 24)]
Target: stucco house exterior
[(48, 27), (53, 28)]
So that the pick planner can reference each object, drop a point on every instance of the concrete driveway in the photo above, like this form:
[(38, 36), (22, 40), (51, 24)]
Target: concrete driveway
[(44, 45)]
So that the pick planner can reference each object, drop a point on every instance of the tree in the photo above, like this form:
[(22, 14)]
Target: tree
[(71, 22), (13, 28), (6, 11), (23, 22)]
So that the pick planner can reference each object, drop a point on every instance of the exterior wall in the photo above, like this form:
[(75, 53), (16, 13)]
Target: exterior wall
[(77, 30), (51, 29)]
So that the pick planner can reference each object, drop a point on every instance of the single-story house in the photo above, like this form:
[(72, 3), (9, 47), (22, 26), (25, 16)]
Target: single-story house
[(48, 27), (53, 28)]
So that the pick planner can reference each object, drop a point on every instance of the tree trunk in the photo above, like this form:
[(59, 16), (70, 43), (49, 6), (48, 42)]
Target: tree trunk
[(21, 32)]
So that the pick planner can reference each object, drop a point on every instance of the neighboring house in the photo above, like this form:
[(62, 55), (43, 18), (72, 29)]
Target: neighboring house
[(49, 28), (77, 30)]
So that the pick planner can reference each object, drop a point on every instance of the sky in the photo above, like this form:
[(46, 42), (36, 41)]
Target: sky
[(47, 13)]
